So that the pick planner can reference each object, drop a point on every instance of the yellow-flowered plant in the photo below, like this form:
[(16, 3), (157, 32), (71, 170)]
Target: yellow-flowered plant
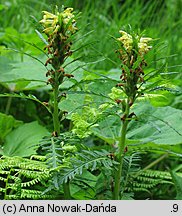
[(132, 50), (59, 28)]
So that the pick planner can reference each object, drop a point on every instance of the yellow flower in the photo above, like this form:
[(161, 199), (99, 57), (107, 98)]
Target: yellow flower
[(48, 15), (143, 45), (67, 16), (52, 22), (126, 40), (145, 39), (49, 22), (49, 19)]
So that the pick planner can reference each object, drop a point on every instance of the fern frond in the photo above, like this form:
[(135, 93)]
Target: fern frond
[(86, 160), (148, 147), (57, 153), (35, 194), (130, 166), (157, 174), (147, 180), (18, 174)]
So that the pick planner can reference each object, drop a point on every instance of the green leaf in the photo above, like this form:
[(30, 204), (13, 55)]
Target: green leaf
[(7, 123), (108, 129), (178, 184), (161, 126), (22, 75), (157, 126), (23, 141), (85, 189), (72, 102), (158, 100), (41, 37)]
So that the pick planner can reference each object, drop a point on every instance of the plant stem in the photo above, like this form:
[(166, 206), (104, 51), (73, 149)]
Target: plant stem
[(152, 164), (67, 194), (156, 161), (56, 123), (120, 155), (56, 110), (8, 105)]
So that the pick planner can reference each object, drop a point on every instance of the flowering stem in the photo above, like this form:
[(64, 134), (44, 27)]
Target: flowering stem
[(59, 28), (56, 123), (132, 49), (120, 155)]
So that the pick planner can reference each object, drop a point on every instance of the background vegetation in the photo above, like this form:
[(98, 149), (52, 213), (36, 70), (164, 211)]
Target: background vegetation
[(20, 118)]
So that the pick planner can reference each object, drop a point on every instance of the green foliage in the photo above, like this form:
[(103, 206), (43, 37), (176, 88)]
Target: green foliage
[(147, 180), (72, 102), (91, 106), (18, 76), (86, 159), (23, 96), (83, 187), (23, 141), (7, 124), (178, 184), (58, 151), (67, 164), (23, 178), (158, 126)]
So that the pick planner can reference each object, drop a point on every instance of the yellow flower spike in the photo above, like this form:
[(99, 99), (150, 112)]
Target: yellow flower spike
[(127, 43), (49, 22), (125, 36), (55, 30), (53, 22), (68, 10), (124, 33), (48, 18), (67, 15)]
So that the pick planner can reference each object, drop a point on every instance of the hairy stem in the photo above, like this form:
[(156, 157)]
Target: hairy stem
[(120, 155)]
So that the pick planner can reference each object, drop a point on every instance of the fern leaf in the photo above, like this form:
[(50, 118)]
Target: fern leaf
[(86, 160)]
